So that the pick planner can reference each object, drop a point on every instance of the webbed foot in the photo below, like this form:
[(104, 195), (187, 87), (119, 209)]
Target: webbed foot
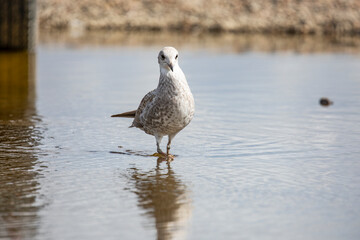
[(164, 156)]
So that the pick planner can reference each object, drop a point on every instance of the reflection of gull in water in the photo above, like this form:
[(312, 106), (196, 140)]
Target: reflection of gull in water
[(164, 198)]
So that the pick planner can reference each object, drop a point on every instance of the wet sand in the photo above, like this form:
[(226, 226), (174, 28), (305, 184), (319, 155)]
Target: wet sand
[(225, 42)]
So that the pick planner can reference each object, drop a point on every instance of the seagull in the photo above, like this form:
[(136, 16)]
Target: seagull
[(169, 108)]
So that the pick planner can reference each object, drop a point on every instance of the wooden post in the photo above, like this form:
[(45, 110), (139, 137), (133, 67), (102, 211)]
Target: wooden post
[(17, 85), (17, 24)]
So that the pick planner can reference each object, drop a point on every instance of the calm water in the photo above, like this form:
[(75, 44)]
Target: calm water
[(261, 159)]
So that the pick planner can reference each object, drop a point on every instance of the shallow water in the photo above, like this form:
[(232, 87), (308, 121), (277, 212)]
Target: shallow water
[(261, 159)]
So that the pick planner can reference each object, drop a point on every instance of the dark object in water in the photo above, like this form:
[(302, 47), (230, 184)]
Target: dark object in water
[(325, 102)]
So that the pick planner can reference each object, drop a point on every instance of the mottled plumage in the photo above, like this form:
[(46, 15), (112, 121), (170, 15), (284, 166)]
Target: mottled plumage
[(170, 107)]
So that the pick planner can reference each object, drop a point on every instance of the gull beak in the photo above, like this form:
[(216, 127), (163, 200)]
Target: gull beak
[(171, 66)]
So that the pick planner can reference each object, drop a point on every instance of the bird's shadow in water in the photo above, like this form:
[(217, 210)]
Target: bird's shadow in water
[(141, 154), (163, 196)]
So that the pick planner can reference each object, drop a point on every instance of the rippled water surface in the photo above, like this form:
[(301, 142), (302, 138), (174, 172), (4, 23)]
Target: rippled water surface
[(261, 159)]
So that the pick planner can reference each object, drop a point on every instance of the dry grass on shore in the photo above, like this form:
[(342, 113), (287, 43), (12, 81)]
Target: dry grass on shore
[(256, 16)]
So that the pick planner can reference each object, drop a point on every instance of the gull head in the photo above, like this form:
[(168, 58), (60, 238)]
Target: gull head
[(168, 59)]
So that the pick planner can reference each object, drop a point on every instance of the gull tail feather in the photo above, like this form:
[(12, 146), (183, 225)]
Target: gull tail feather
[(130, 114)]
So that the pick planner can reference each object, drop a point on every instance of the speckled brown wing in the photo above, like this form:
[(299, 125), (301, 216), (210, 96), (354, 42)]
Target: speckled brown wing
[(147, 99)]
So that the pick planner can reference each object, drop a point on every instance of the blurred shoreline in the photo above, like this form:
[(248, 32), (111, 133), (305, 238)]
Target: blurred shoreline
[(224, 42), (330, 17)]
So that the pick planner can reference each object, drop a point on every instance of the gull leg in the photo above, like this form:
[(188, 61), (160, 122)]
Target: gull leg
[(169, 156), (159, 153), (168, 146)]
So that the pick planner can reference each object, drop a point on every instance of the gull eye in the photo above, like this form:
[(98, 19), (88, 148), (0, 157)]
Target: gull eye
[(162, 57), (176, 57)]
